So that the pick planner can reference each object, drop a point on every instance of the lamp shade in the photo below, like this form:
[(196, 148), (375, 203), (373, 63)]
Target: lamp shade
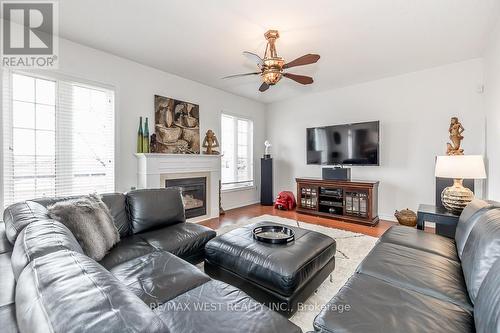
[(460, 167)]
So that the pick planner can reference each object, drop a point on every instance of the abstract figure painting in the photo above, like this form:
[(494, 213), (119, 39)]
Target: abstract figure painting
[(176, 126)]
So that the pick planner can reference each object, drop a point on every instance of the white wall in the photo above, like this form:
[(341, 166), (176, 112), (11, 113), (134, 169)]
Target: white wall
[(492, 105), (414, 112), (135, 87)]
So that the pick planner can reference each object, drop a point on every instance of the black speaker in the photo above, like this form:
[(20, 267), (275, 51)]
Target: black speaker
[(336, 173), (266, 181)]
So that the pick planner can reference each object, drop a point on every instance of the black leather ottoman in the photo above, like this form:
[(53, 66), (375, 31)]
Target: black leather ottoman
[(280, 276)]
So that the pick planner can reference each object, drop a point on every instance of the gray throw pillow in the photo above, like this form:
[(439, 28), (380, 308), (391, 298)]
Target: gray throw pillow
[(90, 221)]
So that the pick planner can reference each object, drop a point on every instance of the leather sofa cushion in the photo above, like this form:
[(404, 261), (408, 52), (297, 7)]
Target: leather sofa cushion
[(481, 250), (5, 245), (423, 272), (158, 277), (7, 281), (155, 208), (19, 215), (40, 238), (423, 241), (216, 307), (377, 306), (127, 249), (280, 268), (7, 286), (469, 217), (69, 292), (185, 240), (487, 309), (8, 318), (116, 203)]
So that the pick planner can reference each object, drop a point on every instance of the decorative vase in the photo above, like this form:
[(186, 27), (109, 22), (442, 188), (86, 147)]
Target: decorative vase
[(140, 137), (145, 138), (456, 197)]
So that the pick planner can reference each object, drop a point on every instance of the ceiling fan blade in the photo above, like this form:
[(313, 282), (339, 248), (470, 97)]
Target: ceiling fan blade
[(304, 60), (240, 75), (263, 87), (254, 58), (299, 78)]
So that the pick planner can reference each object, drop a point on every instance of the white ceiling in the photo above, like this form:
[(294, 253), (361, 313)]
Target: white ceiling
[(358, 40)]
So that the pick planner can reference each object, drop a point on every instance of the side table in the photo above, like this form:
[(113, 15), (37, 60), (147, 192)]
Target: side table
[(446, 222)]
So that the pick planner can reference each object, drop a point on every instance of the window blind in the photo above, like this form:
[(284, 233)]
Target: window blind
[(58, 137)]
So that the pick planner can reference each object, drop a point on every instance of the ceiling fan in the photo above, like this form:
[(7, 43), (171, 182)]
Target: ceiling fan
[(271, 66)]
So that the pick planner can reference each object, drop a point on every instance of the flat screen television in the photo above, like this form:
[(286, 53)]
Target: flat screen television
[(348, 144)]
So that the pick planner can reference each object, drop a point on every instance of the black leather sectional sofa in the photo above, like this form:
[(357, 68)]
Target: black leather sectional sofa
[(414, 281), (146, 283), (410, 282)]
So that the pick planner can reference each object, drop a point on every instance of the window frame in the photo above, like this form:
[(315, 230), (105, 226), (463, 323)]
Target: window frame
[(7, 119), (35, 129), (240, 185)]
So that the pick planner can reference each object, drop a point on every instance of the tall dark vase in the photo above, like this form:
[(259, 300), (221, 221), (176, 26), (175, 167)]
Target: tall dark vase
[(266, 181), (140, 137), (145, 137)]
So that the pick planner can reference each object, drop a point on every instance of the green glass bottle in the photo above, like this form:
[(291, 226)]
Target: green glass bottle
[(140, 137), (145, 140)]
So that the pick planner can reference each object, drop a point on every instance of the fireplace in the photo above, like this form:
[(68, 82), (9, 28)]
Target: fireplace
[(153, 170), (194, 194)]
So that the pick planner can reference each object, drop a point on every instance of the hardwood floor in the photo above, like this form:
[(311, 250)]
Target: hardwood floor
[(244, 213)]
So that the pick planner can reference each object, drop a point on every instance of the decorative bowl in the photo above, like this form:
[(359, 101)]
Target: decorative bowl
[(406, 217)]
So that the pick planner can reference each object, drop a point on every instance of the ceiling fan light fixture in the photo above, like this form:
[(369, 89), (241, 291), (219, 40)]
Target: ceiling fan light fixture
[(271, 77), (275, 62), (272, 70), (271, 66)]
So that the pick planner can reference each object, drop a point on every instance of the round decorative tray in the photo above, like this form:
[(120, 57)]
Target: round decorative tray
[(273, 234)]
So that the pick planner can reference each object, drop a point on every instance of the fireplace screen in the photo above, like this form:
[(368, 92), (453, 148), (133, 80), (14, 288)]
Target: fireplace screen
[(194, 194)]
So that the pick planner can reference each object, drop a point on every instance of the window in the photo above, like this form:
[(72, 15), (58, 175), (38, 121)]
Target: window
[(58, 138), (237, 150)]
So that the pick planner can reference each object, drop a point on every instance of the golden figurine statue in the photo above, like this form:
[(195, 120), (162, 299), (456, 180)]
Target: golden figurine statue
[(210, 142), (456, 129)]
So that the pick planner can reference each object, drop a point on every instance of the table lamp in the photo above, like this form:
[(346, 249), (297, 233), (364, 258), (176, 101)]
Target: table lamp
[(459, 167)]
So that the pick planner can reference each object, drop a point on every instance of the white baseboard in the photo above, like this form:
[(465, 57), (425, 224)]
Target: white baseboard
[(387, 217)]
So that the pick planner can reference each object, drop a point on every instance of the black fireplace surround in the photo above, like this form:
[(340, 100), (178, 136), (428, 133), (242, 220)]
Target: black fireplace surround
[(194, 194)]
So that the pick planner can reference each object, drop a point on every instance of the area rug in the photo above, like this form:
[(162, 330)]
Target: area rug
[(351, 249)]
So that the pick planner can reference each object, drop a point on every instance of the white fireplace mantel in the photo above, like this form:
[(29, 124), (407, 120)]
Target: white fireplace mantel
[(153, 168)]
